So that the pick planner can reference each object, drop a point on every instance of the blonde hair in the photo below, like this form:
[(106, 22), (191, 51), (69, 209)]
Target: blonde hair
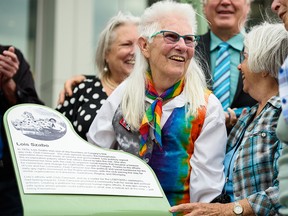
[(108, 35), (133, 102)]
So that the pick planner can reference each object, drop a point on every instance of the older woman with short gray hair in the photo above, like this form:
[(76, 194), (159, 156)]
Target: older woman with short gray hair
[(253, 149)]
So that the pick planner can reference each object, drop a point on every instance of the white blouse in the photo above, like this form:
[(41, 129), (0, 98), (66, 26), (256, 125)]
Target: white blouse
[(207, 176)]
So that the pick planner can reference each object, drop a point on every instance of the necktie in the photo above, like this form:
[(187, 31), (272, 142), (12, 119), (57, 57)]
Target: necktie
[(221, 86), (154, 112)]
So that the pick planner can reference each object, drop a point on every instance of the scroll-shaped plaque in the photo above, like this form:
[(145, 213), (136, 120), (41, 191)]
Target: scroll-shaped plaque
[(59, 173)]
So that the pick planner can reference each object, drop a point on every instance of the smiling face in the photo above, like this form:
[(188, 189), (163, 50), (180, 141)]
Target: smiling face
[(281, 8), (120, 56), (228, 15), (249, 78), (169, 61)]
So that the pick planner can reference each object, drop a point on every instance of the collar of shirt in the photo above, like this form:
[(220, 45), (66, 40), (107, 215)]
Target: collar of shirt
[(167, 108), (250, 124), (236, 41), (273, 101)]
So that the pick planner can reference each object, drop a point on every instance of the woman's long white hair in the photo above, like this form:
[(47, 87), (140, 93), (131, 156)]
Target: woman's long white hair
[(133, 102)]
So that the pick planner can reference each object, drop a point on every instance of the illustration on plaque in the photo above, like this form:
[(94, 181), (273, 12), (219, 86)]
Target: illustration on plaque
[(51, 127)]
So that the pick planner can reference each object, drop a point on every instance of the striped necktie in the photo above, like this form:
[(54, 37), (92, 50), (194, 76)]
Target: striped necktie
[(221, 86)]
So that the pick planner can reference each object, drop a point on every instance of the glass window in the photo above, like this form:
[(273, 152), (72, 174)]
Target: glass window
[(18, 26), (104, 10)]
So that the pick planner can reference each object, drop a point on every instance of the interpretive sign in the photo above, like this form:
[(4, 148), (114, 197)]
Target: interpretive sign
[(51, 159)]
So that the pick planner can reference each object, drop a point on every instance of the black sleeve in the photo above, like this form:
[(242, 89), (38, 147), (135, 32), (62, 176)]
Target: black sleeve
[(25, 86), (26, 93), (89, 76)]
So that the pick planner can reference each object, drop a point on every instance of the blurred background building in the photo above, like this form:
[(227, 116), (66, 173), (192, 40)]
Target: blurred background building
[(59, 37)]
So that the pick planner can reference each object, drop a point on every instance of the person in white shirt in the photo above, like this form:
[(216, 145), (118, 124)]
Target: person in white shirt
[(163, 112)]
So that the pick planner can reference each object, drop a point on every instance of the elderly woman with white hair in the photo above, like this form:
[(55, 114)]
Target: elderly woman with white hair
[(163, 112), (253, 149)]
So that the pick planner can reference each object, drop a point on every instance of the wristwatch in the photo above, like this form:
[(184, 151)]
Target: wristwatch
[(238, 209)]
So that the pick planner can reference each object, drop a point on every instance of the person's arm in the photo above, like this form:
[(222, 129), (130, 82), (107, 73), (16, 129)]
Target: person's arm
[(266, 202), (210, 209), (9, 66), (69, 107), (232, 115), (68, 87), (207, 175), (17, 83), (101, 131)]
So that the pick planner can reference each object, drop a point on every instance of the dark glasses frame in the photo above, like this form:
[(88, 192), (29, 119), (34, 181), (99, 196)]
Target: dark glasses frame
[(172, 37)]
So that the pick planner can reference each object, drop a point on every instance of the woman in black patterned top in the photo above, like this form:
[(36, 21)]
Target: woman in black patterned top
[(114, 61)]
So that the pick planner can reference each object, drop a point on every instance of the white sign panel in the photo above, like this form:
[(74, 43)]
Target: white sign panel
[(53, 159)]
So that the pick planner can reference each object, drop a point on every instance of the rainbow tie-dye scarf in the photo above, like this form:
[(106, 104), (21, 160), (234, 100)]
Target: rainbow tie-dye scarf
[(154, 112)]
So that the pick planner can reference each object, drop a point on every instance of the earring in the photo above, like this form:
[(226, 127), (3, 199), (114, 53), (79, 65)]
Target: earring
[(105, 68)]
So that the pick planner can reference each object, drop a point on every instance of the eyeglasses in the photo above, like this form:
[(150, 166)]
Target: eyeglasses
[(171, 37), (243, 56)]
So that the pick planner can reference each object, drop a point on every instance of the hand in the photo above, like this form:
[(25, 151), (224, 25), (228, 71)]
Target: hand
[(9, 65), (191, 209), (68, 87), (230, 118)]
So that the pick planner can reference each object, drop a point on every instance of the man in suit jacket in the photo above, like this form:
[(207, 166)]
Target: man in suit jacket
[(226, 19)]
